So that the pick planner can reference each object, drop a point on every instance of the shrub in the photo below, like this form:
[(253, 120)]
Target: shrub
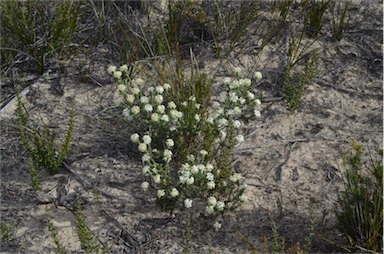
[(39, 29), (40, 145), (360, 206), (187, 138)]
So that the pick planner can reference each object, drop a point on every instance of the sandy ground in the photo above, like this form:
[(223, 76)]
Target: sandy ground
[(292, 161)]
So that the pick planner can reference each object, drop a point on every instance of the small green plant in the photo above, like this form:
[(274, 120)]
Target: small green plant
[(7, 232), (295, 82), (360, 206), (55, 237), (39, 29), (187, 137), (88, 241), (40, 144), (278, 242), (340, 18)]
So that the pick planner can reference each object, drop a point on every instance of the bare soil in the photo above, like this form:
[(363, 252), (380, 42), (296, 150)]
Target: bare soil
[(292, 161)]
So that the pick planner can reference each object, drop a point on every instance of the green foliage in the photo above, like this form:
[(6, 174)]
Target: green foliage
[(55, 237), (340, 18), (278, 242), (360, 212), (7, 232), (88, 241), (40, 29), (40, 145), (313, 16), (294, 83)]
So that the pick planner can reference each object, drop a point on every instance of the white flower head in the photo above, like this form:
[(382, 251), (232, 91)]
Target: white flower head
[(203, 152), (209, 209), (111, 69), (135, 110), (160, 193), (194, 169), (171, 105), (167, 155), (217, 225), (257, 102), (174, 192), (191, 157), (246, 82), (197, 117), (190, 180), (138, 81), (145, 186), (147, 139), (210, 176), (135, 138), (188, 203), (121, 87), (223, 122), (223, 96), (135, 90), (160, 109), (123, 68), (130, 98), (144, 99), (159, 89), (126, 113), (236, 110), (223, 134), (155, 117), (212, 201), (250, 95), (211, 185), (170, 143), (156, 178), (257, 113), (236, 124), (209, 167), (166, 86), (145, 158), (236, 71), (235, 177), (239, 138), (220, 206), (158, 98), (117, 74), (243, 198), (148, 108), (146, 169), (164, 118), (257, 75), (142, 147), (226, 80)]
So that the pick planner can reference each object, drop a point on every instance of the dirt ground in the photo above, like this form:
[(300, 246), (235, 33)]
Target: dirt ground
[(292, 161)]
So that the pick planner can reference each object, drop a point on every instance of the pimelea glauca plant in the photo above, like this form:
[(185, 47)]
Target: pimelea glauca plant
[(186, 145)]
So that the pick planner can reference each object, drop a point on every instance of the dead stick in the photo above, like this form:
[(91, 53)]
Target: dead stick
[(87, 183)]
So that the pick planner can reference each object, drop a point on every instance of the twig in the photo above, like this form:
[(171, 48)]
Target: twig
[(87, 183), (344, 90)]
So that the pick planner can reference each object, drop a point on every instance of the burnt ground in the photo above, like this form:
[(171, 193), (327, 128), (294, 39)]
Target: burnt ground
[(292, 160)]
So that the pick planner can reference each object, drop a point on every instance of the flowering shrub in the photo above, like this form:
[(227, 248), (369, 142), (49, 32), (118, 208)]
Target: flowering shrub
[(186, 146)]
